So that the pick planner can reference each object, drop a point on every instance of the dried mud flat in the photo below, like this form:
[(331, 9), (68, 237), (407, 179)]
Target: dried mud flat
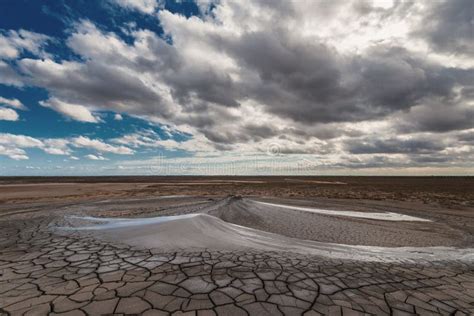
[(236, 246)]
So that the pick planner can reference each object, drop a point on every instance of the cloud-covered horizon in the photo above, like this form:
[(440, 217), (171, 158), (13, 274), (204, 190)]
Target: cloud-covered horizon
[(331, 85)]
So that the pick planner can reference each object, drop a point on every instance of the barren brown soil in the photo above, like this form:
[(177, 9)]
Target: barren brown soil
[(450, 192)]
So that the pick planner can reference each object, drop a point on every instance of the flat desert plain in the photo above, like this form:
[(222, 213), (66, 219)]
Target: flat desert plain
[(237, 246)]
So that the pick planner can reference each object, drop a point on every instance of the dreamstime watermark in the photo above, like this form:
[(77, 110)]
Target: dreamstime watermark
[(269, 162), (274, 149)]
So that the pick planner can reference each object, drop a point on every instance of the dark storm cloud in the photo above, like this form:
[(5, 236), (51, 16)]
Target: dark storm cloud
[(439, 119), (260, 131), (207, 84), (467, 138), (393, 146), (311, 82), (241, 134), (392, 78), (374, 161), (95, 84), (319, 131), (295, 78), (225, 137), (423, 159), (449, 26)]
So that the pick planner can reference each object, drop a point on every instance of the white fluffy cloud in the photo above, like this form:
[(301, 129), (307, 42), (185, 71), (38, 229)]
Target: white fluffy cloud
[(145, 6), (14, 103), (8, 115), (13, 43), (13, 146), (56, 146), (100, 146), (95, 157), (21, 141), (75, 111), (13, 153)]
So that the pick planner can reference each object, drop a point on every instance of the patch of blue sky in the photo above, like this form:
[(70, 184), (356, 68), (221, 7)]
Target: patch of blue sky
[(42, 122), (57, 17)]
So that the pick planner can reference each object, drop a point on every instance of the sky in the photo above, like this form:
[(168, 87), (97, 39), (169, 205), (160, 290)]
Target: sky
[(303, 87)]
